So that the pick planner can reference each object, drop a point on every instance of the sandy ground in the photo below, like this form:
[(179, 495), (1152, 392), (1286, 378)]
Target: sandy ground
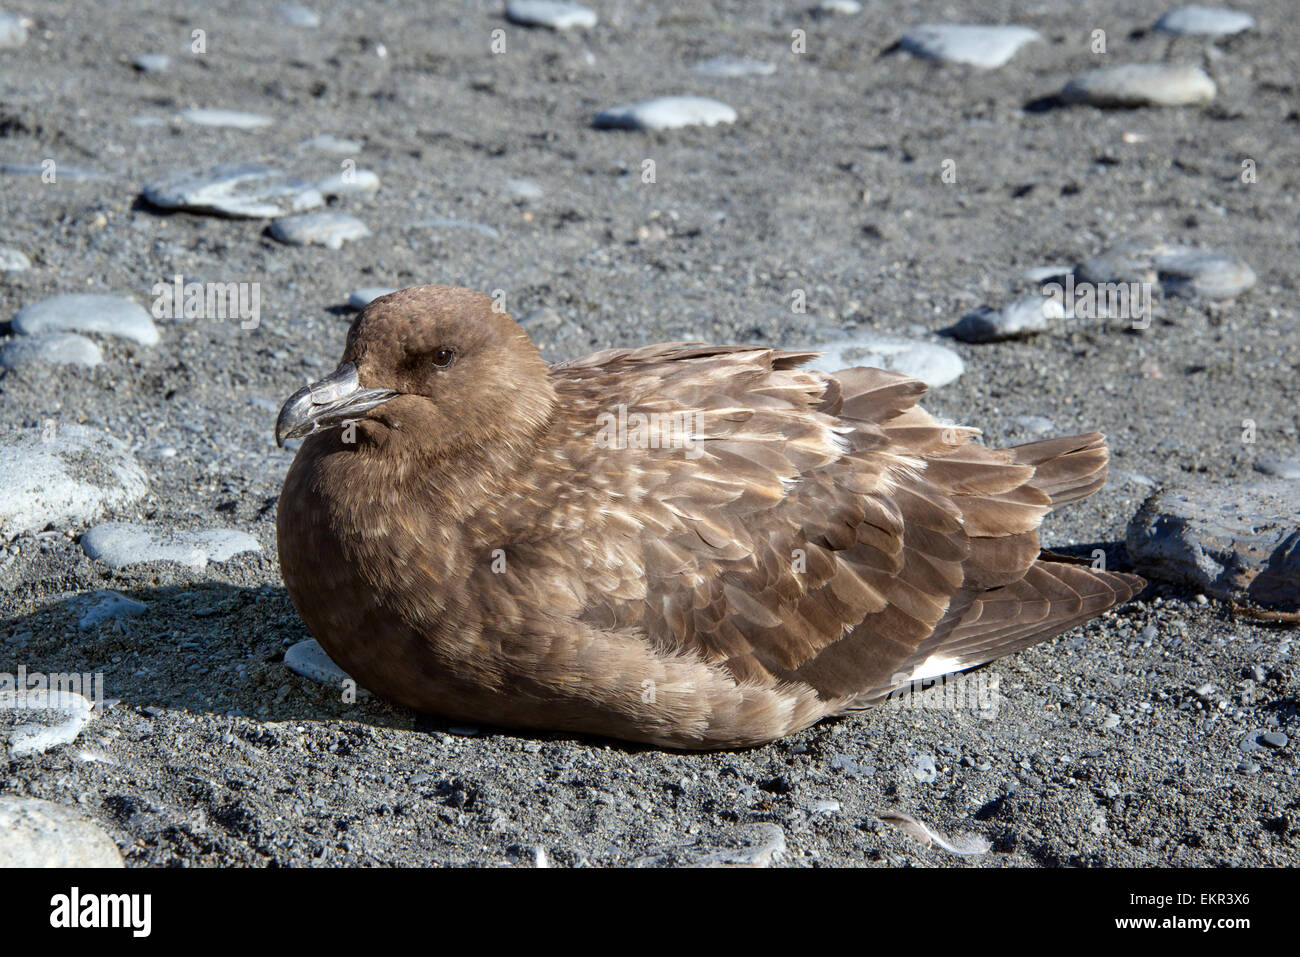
[(1101, 752)]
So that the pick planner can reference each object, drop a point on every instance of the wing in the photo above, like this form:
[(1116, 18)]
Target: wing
[(800, 528)]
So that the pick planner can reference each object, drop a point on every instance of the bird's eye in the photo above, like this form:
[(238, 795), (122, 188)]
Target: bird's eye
[(443, 358)]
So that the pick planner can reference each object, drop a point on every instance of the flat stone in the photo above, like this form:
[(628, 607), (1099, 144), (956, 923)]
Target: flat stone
[(330, 230), (666, 113), (986, 47), (52, 348), (360, 298), (329, 143), (152, 62), (1141, 84), (246, 190), (1034, 424), (1180, 270), (1235, 543), (1019, 320), (837, 7), (13, 260), (32, 721), (297, 14), (1205, 21), (748, 845), (122, 544), (62, 172), (935, 365), (1279, 467), (550, 14), (726, 67), (37, 833), (63, 478), (105, 605), (523, 191), (87, 312), (12, 32), (308, 658), (229, 119), (349, 183)]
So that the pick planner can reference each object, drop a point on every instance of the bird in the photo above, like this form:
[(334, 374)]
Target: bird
[(686, 546)]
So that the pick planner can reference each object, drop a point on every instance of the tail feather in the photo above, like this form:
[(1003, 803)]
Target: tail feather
[(1068, 468)]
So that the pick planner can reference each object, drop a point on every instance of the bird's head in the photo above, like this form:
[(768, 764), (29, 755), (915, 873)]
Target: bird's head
[(431, 368)]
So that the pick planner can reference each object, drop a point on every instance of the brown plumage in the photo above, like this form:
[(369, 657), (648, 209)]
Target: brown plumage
[(471, 532)]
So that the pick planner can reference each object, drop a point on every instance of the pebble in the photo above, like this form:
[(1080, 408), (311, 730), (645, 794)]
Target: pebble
[(308, 658), (986, 47), (123, 544), (747, 845), (1279, 467), (523, 191), (550, 13), (1019, 320), (231, 119), (68, 480), (235, 189), (297, 14), (52, 348), (13, 260), (841, 7), (726, 67), (152, 62), (360, 298), (104, 605), (1034, 424), (1248, 767), (330, 230), (1181, 270), (351, 183), (923, 769), (329, 143), (1044, 273), (1274, 739), (37, 720), (1235, 543), (37, 833), (12, 32), (62, 171), (666, 113), (87, 312), (1205, 21), (933, 364), (1141, 84)]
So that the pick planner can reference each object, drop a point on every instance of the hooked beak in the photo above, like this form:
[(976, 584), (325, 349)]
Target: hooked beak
[(327, 403)]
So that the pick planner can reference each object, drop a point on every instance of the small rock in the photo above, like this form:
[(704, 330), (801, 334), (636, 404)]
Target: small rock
[(360, 298), (725, 67), (982, 46), (52, 348), (349, 183), (33, 721), (1248, 767), (86, 312), (923, 769), (1034, 424), (666, 113), (37, 833), (749, 845), (122, 544), (152, 62), (329, 143), (845, 8), (1279, 467), (934, 365), (230, 119), (1238, 543), (12, 32), (550, 13), (824, 807), (308, 658), (1191, 273), (1274, 739), (13, 260), (1019, 320), (1141, 84), (62, 476), (330, 230), (1205, 21), (523, 191), (104, 605), (237, 189), (297, 14), (1044, 273)]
